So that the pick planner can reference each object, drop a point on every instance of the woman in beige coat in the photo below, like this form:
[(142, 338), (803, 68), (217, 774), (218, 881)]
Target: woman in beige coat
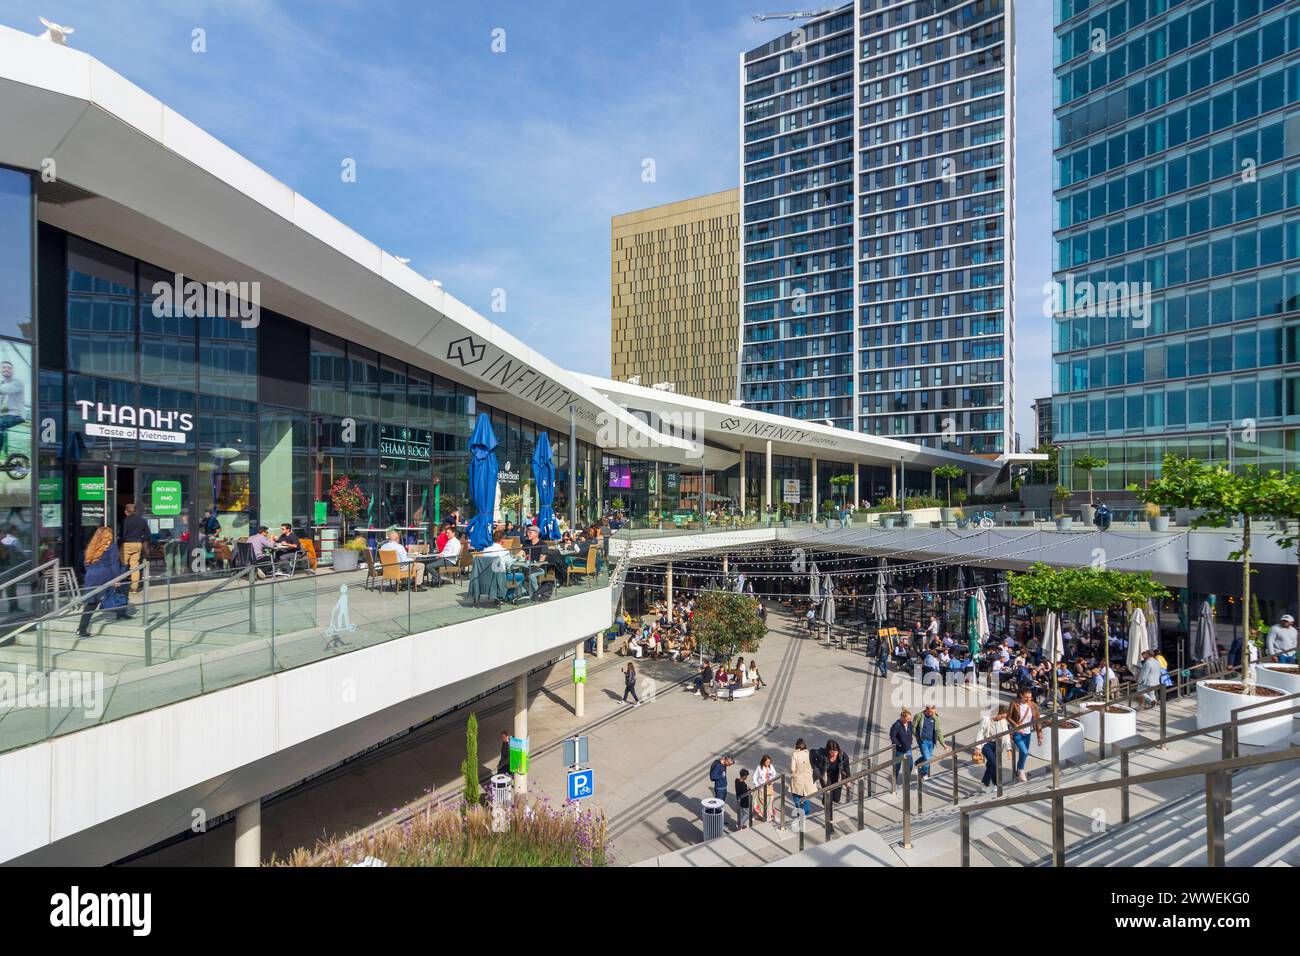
[(801, 776)]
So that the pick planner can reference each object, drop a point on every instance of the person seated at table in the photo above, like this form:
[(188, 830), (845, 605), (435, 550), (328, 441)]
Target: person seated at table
[(287, 539), (263, 549), (451, 548), (404, 560), (567, 545), (448, 532)]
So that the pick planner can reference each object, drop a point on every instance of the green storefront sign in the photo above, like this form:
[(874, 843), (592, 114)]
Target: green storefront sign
[(318, 513), (165, 498), (90, 489), (51, 489)]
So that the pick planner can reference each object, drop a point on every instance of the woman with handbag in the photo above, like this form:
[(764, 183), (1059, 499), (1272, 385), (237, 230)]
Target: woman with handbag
[(103, 564), (764, 777)]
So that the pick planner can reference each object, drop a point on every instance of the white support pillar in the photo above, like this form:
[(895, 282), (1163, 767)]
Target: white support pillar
[(857, 491), (813, 472), (600, 644), (521, 724), (724, 565), (248, 834), (668, 589), (768, 481), (893, 482), (579, 689), (742, 481)]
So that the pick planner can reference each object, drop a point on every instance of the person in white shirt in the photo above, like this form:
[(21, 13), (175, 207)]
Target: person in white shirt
[(404, 560), (451, 551), (1281, 640)]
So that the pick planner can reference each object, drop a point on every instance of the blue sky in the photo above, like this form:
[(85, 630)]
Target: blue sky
[(502, 170)]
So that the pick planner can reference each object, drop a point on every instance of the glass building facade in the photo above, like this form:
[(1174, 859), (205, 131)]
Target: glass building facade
[(254, 423), (796, 353), (17, 377), (877, 207), (1177, 176)]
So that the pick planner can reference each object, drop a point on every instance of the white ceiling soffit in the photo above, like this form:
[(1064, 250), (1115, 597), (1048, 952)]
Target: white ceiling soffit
[(732, 426), (173, 195)]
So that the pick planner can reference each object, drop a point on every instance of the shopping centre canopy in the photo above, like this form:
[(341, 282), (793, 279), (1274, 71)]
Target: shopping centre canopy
[(734, 427), (120, 168)]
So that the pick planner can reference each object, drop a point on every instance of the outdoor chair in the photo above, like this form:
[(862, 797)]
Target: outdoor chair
[(588, 569), (393, 571), (309, 548)]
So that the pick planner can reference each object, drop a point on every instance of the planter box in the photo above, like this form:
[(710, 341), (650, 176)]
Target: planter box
[(1069, 743), (1064, 523), (1215, 706), (1087, 513), (345, 559), (887, 522), (1277, 677), (947, 515), (1160, 523), (1118, 726), (909, 521)]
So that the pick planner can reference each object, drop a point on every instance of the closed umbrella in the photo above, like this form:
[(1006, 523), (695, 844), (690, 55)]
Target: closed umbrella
[(981, 616), (1137, 639), (1153, 628), (482, 481), (544, 475), (879, 605), (1207, 647), (971, 613), (1053, 647), (814, 591)]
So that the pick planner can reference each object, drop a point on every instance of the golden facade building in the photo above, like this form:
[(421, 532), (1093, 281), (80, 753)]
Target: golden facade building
[(675, 295)]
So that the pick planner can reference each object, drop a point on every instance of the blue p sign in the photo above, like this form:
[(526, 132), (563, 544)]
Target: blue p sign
[(582, 783)]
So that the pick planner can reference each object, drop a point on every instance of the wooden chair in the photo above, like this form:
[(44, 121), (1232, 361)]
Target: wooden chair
[(510, 544), (417, 549), (393, 571), (221, 553), (589, 569), (309, 548), (460, 568)]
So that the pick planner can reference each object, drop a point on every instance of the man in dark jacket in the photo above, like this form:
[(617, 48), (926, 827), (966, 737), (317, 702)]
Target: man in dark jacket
[(900, 735), (135, 542), (830, 765), (718, 776)]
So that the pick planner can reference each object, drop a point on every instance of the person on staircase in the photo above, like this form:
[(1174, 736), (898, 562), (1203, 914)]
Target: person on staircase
[(103, 564)]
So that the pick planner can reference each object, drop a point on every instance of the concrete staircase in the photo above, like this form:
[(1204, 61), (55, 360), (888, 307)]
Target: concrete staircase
[(1167, 820)]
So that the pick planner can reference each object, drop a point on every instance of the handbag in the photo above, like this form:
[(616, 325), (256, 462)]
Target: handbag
[(111, 599)]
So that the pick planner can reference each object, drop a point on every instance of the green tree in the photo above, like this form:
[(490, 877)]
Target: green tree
[(469, 767), (1088, 464), (842, 482), (727, 623), (1044, 472), (1286, 504), (948, 473)]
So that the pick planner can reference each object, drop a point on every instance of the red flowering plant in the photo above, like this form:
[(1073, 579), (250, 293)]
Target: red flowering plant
[(347, 498)]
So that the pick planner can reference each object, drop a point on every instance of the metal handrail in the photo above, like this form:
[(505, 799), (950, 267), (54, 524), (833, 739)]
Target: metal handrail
[(1216, 785), (10, 582), (71, 609)]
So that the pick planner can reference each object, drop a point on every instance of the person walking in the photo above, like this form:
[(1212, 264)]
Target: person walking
[(991, 727), (135, 542), (103, 564), (928, 734), (882, 656), (1022, 717), (801, 777), (830, 765), (743, 815), (764, 778), (900, 735), (629, 684)]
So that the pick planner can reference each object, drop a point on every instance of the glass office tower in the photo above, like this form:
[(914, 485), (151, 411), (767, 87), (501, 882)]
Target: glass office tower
[(1177, 165), (876, 156)]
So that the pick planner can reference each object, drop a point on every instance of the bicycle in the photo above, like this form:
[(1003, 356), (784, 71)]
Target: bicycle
[(16, 465)]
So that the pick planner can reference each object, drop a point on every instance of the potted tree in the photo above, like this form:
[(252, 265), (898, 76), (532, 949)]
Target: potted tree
[(347, 498), (1063, 519), (1155, 520), (948, 473), (786, 513), (348, 557), (1088, 464)]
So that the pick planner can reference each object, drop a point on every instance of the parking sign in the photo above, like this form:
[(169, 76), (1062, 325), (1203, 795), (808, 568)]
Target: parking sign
[(582, 783)]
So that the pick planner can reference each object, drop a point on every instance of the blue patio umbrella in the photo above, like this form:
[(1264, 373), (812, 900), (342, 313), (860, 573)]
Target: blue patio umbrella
[(544, 475), (482, 482)]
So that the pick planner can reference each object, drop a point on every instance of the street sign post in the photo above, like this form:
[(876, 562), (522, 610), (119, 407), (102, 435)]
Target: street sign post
[(575, 752), (582, 784)]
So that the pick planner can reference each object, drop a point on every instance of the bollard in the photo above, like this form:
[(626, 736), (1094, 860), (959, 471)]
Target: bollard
[(500, 795), (1164, 716), (711, 814)]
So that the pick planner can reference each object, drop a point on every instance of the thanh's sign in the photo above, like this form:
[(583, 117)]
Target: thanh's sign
[(127, 421)]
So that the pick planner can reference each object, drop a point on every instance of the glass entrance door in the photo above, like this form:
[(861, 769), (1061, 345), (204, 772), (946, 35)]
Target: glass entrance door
[(166, 502), (92, 496)]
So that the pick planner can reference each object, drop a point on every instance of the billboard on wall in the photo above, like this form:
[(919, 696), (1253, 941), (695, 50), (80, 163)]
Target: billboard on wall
[(15, 425), (620, 476)]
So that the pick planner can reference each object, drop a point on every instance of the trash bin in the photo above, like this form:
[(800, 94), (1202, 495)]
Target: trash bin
[(501, 789), (711, 811)]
